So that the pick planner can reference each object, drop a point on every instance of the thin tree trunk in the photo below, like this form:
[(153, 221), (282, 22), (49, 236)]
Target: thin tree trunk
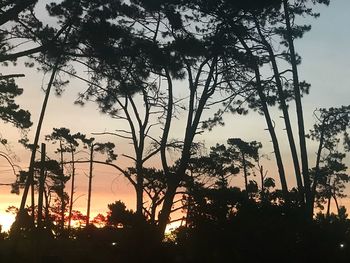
[(173, 180), (189, 210), (139, 148), (90, 185), (333, 194), (171, 190), (32, 195), (167, 125), (139, 190), (317, 169), (274, 139), (41, 186), (63, 205), (245, 174), (286, 117), (153, 211), (167, 205), (71, 193), (299, 109), (328, 206), (30, 178), (269, 122), (261, 170), (336, 202), (47, 212)]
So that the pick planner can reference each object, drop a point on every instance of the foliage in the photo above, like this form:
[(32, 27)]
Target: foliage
[(330, 173), (9, 110), (120, 216)]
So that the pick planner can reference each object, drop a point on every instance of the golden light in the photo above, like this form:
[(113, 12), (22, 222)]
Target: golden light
[(172, 226), (6, 220)]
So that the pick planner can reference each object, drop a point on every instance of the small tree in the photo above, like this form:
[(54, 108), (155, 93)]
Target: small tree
[(332, 125), (246, 153), (68, 143), (332, 178), (96, 147), (119, 216)]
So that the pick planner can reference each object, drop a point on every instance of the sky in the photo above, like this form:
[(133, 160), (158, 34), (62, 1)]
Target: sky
[(325, 64)]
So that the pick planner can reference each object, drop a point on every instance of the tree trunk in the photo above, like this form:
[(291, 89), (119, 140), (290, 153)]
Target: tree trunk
[(63, 205), (71, 193), (139, 190), (153, 211), (30, 178), (41, 186), (286, 118), (171, 188), (261, 171), (299, 109), (336, 202), (47, 212), (328, 206), (274, 139), (269, 123), (173, 180), (317, 170), (90, 185), (189, 210), (32, 195), (245, 174), (167, 207)]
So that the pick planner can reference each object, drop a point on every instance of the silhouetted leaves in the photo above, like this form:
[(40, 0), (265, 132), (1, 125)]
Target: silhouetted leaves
[(9, 110)]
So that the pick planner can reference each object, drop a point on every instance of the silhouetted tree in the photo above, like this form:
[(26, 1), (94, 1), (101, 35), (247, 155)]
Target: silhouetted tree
[(264, 33), (120, 216), (78, 218), (68, 143), (29, 181), (331, 125), (96, 147), (291, 32), (135, 59), (245, 153), (20, 24), (9, 110), (214, 169), (236, 19), (211, 56), (123, 106), (332, 177), (99, 220), (52, 175), (154, 186)]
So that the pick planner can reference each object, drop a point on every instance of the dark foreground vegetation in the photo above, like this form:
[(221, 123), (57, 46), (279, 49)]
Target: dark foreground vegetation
[(256, 232)]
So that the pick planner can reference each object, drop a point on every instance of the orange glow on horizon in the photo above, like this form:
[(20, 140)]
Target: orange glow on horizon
[(6, 221)]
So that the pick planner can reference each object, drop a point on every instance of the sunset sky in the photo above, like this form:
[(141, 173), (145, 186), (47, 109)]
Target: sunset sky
[(325, 64)]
